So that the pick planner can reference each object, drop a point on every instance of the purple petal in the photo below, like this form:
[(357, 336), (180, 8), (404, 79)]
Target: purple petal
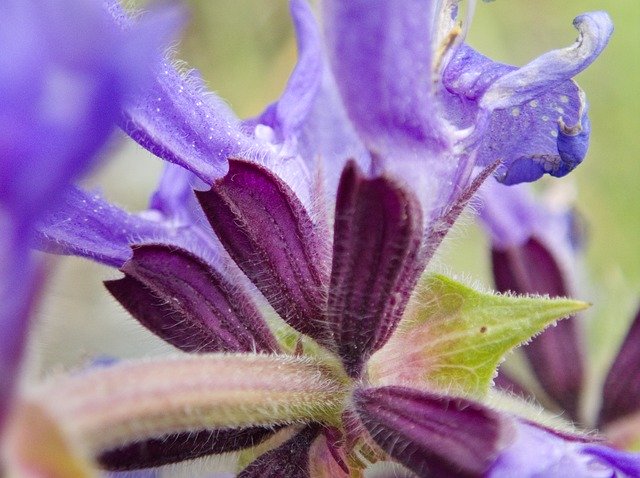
[(552, 68), (88, 226), (615, 460), (510, 214), (20, 283), (269, 234), (433, 435), (541, 453), (290, 111), (556, 355), (621, 391), (548, 134), (181, 447), (65, 74), (382, 57), (189, 304), (328, 139), (377, 235), (291, 459), (174, 197), (177, 120)]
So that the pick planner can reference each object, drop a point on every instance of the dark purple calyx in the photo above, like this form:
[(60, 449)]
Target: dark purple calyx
[(621, 392), (267, 231), (291, 459), (556, 355), (377, 237), (181, 447), (183, 300), (506, 382), (432, 435)]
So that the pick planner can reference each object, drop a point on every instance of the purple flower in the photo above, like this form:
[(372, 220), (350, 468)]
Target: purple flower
[(65, 74), (545, 453), (534, 250), (315, 210)]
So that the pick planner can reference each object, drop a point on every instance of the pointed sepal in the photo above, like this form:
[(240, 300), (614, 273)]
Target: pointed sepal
[(377, 237), (433, 435), (454, 337), (188, 303), (267, 231)]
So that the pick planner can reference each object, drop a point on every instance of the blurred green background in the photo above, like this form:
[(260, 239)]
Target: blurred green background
[(245, 51)]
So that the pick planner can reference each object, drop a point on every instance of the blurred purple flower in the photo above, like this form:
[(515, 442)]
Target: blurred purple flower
[(544, 453), (534, 250), (65, 74)]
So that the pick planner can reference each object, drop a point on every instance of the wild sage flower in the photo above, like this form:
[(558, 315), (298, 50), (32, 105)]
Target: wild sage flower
[(65, 73), (327, 207), (533, 251)]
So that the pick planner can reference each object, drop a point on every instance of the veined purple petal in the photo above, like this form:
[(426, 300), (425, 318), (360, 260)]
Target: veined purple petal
[(65, 74), (177, 120), (88, 226), (287, 114), (556, 355), (549, 133), (189, 304), (181, 447), (269, 234), (537, 452), (552, 68), (382, 57), (621, 391), (377, 236), (432, 435), (291, 459)]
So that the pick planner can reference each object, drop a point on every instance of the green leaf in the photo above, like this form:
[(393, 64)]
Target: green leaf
[(453, 337)]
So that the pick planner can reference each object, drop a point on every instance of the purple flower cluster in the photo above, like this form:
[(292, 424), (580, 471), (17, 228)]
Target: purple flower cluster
[(326, 209)]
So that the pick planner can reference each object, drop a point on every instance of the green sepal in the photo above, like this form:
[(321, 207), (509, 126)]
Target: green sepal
[(453, 337)]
